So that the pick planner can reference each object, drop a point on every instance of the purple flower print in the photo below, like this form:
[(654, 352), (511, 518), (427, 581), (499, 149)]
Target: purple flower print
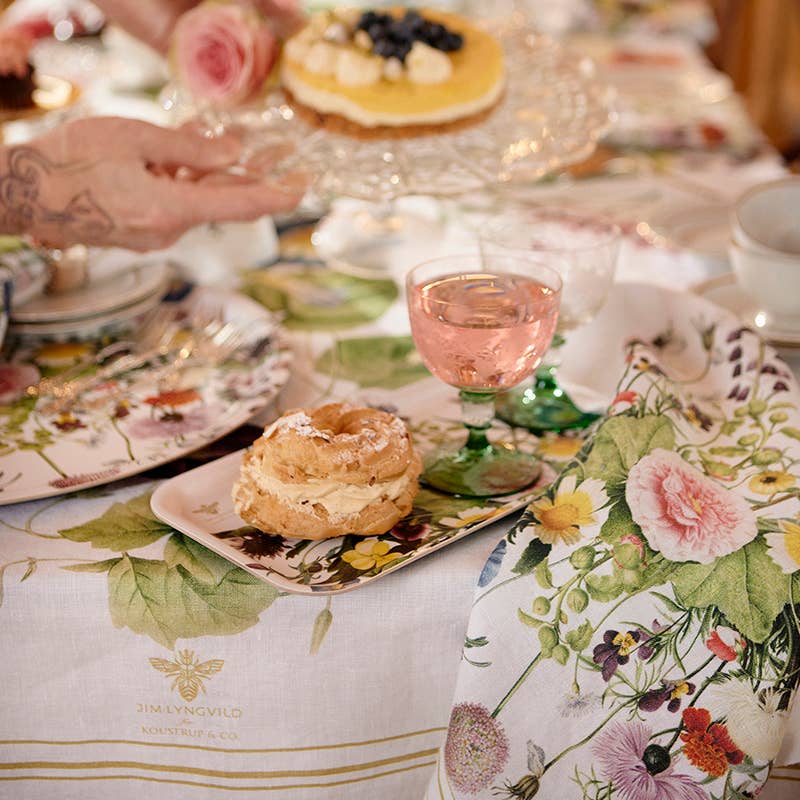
[(615, 650), (670, 692)]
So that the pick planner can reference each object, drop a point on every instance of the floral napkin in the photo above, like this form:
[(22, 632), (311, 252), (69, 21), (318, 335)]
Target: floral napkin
[(636, 635)]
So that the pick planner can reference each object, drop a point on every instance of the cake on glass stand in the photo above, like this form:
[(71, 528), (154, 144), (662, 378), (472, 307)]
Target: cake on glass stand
[(552, 111)]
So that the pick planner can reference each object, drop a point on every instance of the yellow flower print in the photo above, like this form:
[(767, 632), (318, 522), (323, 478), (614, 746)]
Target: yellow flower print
[(560, 447), (58, 353), (784, 547), (369, 554), (573, 508), (770, 481), (469, 516)]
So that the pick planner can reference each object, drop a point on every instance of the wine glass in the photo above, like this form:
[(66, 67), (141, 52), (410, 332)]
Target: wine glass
[(583, 250), (482, 324)]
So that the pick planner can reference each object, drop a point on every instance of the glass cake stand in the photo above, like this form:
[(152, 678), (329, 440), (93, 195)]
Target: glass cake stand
[(553, 111)]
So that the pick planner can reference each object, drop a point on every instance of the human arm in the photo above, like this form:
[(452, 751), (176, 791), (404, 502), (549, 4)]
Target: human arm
[(109, 181)]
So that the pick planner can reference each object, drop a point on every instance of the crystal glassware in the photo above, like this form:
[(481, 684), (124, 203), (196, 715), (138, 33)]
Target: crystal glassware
[(482, 325), (583, 250)]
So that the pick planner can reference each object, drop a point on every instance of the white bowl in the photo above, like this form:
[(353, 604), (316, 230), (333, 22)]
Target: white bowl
[(773, 280), (766, 218)]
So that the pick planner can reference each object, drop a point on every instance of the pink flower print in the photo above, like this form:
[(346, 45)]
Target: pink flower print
[(638, 770), (686, 515), (476, 749), (726, 643), (71, 481), (14, 380), (173, 424)]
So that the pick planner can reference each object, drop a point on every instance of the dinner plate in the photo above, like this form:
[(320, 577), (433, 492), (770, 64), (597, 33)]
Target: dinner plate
[(726, 292), (198, 503), (95, 326), (140, 419), (29, 271), (109, 287)]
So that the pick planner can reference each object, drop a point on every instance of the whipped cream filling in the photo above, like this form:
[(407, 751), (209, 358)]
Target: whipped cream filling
[(333, 103), (337, 498)]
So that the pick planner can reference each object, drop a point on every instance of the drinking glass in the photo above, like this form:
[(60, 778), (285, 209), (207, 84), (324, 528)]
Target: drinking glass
[(583, 250), (482, 324)]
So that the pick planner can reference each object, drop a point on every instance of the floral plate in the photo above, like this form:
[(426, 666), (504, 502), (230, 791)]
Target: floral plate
[(141, 419), (198, 503)]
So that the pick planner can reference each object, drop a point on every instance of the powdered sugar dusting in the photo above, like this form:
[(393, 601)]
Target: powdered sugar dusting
[(374, 436), (299, 423)]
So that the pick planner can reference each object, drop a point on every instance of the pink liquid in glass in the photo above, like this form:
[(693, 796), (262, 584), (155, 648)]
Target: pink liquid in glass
[(482, 331)]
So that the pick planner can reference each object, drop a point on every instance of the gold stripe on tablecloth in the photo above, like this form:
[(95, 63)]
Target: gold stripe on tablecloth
[(218, 773), (244, 750), (224, 787)]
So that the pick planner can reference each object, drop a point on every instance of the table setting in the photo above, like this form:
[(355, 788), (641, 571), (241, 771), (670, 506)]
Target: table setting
[(474, 477)]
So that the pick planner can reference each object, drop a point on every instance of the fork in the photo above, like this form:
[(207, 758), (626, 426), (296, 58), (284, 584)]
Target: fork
[(159, 339), (216, 349), (214, 341), (152, 328)]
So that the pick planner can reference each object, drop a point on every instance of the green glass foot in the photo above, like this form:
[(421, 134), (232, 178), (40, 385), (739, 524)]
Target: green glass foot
[(490, 471), (544, 406)]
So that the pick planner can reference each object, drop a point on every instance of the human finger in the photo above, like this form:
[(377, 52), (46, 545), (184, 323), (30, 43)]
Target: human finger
[(185, 148), (286, 16), (205, 201)]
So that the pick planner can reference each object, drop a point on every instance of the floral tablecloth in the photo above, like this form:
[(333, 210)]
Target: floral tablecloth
[(635, 634)]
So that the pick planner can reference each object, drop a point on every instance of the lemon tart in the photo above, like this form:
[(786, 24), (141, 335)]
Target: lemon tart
[(395, 72)]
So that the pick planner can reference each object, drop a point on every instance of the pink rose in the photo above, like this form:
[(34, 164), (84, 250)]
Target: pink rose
[(223, 53), (684, 514)]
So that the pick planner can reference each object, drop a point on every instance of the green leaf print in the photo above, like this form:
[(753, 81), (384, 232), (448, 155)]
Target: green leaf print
[(621, 441), (619, 523), (168, 604), (321, 626), (580, 638), (793, 433), (317, 298), (198, 561), (125, 526), (535, 551), (388, 362), (93, 566), (440, 505), (604, 588), (747, 586)]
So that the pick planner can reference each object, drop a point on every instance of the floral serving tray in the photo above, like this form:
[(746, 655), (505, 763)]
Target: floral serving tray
[(198, 503), (139, 419)]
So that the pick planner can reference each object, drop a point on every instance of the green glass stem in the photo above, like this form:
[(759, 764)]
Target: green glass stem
[(479, 468), (477, 412), (542, 405)]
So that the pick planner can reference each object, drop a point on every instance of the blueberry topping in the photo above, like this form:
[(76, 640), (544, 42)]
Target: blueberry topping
[(451, 42), (394, 38)]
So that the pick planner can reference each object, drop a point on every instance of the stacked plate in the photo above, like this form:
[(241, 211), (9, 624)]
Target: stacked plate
[(114, 297)]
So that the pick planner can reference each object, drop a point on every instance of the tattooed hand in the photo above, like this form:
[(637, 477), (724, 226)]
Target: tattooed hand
[(110, 181)]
